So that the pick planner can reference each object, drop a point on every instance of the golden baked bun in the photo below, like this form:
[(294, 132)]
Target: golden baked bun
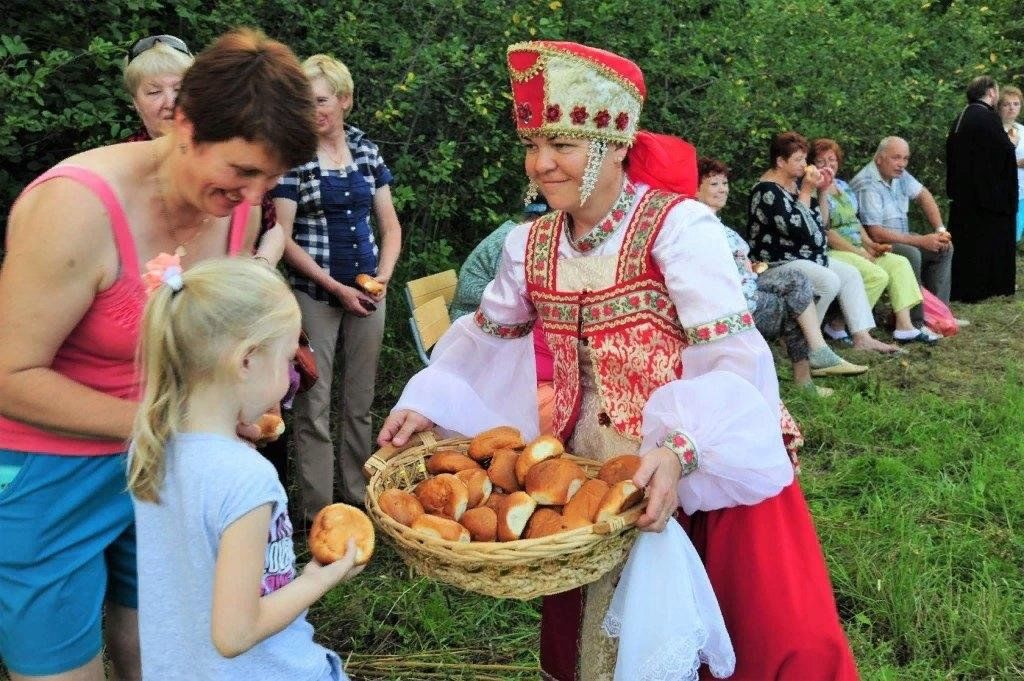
[(450, 462), (494, 501), (554, 482), (542, 523), (443, 495), (271, 427), (619, 468), (402, 506), (478, 485), (513, 514), (620, 497), (333, 526), (369, 284), (543, 448), (441, 528), (502, 470), (582, 508), (482, 523), (503, 437)]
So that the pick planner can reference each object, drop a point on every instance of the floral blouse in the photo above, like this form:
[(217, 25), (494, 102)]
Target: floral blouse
[(782, 228)]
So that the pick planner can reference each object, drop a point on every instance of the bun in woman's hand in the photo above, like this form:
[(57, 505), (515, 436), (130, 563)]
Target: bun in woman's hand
[(271, 427), (370, 285)]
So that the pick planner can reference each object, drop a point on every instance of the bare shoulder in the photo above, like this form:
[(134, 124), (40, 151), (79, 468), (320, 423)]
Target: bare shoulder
[(64, 220)]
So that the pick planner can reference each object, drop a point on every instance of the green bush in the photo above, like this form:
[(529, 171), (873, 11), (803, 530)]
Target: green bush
[(432, 90), (431, 86)]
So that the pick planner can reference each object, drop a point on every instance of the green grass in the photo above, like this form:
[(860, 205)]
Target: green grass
[(914, 475)]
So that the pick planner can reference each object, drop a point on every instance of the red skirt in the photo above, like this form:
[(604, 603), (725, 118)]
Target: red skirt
[(768, 572)]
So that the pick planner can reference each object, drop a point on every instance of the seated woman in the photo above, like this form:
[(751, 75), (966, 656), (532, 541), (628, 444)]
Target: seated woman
[(849, 242), (782, 301), (786, 227)]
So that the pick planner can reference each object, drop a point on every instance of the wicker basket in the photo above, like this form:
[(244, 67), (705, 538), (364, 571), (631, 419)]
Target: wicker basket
[(521, 569)]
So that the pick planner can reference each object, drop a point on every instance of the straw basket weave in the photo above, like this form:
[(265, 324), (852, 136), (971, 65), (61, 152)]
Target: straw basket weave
[(521, 569)]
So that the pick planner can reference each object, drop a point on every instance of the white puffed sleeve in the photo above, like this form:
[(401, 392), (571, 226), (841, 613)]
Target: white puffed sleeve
[(482, 372), (726, 434), (723, 415), (705, 287)]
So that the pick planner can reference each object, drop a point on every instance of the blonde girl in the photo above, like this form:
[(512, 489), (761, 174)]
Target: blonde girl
[(219, 596)]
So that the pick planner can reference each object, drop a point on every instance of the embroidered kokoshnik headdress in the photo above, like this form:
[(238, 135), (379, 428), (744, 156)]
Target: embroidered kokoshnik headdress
[(564, 89)]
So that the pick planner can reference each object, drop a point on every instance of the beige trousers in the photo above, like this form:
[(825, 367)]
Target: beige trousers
[(354, 342)]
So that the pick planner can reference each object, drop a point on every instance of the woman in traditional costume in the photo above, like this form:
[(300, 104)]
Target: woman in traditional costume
[(656, 353)]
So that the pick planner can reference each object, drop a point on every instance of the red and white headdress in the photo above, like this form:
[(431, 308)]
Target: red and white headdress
[(567, 89), (563, 88)]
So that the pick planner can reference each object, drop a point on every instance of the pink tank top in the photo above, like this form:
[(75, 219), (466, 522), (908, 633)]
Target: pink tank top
[(100, 351)]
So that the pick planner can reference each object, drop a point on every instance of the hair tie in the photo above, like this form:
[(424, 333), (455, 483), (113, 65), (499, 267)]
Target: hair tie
[(164, 269)]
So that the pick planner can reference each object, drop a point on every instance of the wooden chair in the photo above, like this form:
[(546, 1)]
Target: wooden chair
[(428, 299), (419, 291)]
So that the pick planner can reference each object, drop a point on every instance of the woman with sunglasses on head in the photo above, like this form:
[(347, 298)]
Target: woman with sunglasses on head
[(655, 353), (68, 384)]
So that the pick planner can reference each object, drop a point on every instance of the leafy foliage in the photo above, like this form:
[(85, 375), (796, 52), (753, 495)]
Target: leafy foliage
[(431, 82)]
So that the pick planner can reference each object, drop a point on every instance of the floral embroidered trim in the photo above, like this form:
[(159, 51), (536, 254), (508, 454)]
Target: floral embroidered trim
[(541, 245), (552, 113), (622, 120), (634, 258), (720, 328), (680, 444), (578, 115), (644, 302), (602, 118), (524, 112), (607, 226), (498, 330)]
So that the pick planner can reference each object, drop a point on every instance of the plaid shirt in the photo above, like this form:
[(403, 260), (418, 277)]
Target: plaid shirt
[(302, 185)]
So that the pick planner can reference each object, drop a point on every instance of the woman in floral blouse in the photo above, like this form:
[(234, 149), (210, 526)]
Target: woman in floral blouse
[(786, 226), (781, 300)]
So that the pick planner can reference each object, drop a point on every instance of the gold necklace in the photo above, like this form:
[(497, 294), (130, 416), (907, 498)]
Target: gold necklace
[(340, 162), (179, 249)]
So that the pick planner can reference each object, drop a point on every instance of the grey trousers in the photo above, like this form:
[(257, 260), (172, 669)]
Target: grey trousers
[(354, 341), (933, 271)]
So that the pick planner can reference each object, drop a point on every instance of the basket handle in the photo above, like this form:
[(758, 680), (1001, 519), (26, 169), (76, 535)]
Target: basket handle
[(380, 458), (620, 521)]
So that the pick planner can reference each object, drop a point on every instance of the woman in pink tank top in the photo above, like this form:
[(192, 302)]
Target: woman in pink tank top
[(71, 298)]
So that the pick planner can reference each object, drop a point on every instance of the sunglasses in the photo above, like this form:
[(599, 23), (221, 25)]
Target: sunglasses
[(148, 43)]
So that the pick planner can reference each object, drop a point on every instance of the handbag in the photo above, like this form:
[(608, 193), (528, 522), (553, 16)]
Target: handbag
[(305, 364)]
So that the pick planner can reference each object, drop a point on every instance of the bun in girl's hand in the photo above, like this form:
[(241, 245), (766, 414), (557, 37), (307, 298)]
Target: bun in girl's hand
[(333, 526)]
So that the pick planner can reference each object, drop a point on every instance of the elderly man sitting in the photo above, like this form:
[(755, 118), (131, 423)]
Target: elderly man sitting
[(884, 190)]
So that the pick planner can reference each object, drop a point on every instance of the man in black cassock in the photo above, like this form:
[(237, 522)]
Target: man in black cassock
[(981, 182)]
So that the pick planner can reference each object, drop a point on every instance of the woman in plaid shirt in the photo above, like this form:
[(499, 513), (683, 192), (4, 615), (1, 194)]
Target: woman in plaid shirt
[(325, 206)]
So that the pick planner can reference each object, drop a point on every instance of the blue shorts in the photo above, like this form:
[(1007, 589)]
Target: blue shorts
[(68, 545)]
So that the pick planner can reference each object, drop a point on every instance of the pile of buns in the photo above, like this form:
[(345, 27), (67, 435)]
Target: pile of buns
[(503, 489)]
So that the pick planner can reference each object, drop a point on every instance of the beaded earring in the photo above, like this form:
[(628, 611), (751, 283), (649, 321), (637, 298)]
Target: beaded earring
[(595, 157), (532, 191)]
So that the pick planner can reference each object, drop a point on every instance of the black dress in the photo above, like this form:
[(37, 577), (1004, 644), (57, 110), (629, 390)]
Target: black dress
[(981, 181)]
